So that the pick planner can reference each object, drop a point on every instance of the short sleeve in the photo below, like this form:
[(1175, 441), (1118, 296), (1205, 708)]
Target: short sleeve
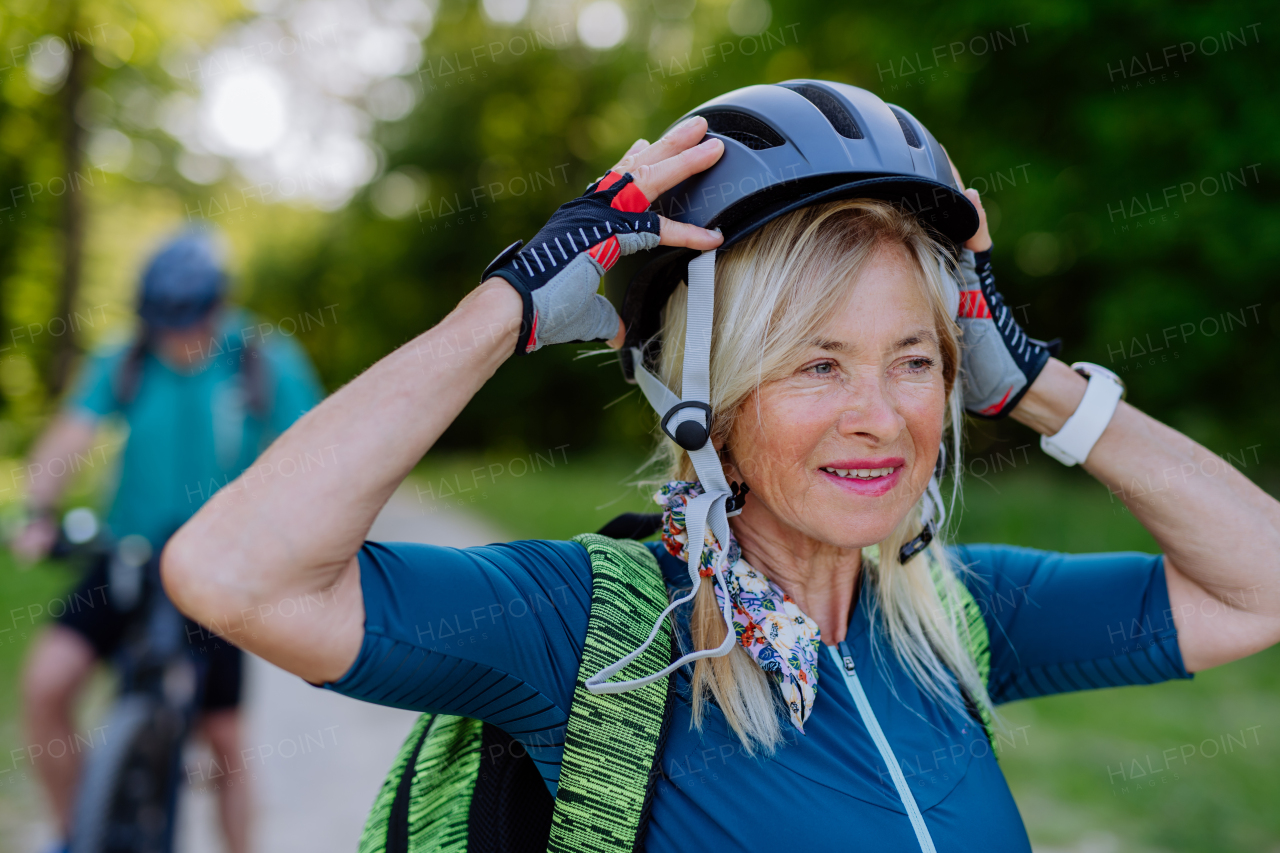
[(494, 633), (1064, 622), (295, 387), (93, 391)]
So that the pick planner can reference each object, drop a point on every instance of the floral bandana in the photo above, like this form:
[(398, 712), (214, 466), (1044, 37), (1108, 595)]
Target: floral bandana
[(767, 622)]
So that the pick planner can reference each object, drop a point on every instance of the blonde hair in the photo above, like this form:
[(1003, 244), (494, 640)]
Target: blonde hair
[(773, 292)]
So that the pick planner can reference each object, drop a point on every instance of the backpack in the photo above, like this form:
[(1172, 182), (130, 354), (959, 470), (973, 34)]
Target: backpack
[(460, 785), (253, 372)]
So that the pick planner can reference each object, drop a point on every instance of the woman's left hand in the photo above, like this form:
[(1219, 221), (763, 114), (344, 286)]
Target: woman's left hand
[(1218, 531), (980, 241), (998, 360)]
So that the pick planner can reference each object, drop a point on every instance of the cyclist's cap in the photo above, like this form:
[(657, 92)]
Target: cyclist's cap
[(183, 282)]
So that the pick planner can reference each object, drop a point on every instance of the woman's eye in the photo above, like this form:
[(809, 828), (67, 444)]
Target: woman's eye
[(823, 369), (919, 365)]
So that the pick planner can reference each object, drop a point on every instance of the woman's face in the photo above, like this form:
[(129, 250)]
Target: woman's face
[(840, 450)]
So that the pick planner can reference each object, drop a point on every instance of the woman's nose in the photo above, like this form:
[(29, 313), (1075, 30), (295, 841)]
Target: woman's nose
[(868, 410)]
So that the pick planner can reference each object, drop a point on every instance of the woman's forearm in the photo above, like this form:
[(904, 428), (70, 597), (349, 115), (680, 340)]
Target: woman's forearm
[(1217, 529), (292, 522)]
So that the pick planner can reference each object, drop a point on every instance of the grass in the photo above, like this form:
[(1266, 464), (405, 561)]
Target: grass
[(26, 595), (551, 495), (1222, 796)]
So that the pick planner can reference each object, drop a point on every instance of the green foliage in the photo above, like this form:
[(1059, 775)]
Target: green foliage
[(1053, 120), (1074, 118), (120, 48)]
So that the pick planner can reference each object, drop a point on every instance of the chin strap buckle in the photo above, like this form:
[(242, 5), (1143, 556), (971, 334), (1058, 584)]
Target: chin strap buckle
[(733, 505), (689, 434)]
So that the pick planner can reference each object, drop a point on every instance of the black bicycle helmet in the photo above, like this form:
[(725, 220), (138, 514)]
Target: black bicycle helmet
[(787, 146)]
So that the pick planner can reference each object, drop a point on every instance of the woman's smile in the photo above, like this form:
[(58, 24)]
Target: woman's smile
[(870, 477)]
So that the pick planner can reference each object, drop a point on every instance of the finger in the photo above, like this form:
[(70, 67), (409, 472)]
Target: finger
[(954, 171), (654, 180), (616, 341), (981, 241), (636, 147), (680, 138), (672, 233)]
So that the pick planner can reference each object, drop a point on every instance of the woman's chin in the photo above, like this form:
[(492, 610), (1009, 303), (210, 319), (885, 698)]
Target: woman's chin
[(856, 531)]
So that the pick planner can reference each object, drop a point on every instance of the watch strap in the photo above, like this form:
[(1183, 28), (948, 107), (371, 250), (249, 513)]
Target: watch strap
[(1071, 444)]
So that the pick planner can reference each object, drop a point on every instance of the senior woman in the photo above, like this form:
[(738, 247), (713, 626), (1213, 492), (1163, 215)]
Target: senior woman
[(831, 379)]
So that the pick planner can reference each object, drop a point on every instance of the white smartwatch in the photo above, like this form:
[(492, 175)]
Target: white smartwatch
[(1071, 444)]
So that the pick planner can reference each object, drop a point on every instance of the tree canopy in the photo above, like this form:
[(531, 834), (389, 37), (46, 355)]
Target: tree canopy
[(1125, 152)]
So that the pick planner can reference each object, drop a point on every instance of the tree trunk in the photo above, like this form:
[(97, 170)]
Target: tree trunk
[(67, 347)]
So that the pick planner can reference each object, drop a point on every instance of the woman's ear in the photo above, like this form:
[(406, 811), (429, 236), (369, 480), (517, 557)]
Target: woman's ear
[(727, 462)]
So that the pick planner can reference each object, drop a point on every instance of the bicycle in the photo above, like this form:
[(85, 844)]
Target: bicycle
[(127, 799)]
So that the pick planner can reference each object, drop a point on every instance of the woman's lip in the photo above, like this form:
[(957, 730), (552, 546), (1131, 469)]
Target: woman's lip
[(885, 462), (874, 487)]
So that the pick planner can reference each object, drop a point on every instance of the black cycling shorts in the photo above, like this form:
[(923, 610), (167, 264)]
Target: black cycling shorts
[(91, 614)]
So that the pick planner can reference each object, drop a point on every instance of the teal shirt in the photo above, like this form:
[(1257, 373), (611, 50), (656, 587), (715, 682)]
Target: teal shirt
[(191, 434)]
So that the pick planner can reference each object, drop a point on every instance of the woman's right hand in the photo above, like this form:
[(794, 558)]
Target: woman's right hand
[(558, 273)]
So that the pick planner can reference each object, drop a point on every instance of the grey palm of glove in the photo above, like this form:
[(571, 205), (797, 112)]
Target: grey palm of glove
[(558, 274), (998, 360)]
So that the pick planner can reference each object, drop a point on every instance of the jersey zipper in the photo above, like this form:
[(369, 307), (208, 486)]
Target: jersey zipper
[(844, 660)]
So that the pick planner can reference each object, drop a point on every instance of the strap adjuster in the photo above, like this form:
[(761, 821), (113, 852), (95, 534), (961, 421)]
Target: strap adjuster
[(690, 435), (501, 260), (915, 546)]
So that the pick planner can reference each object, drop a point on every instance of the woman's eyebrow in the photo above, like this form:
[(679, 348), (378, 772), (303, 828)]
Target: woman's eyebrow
[(916, 337)]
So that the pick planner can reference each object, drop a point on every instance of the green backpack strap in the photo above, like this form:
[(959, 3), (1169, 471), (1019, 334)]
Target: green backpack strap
[(976, 637), (980, 650), (611, 740), (610, 743), (425, 801)]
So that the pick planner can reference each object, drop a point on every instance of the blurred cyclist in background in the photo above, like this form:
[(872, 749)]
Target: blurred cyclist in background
[(203, 388)]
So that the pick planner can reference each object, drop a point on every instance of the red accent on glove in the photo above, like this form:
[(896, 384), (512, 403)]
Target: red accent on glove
[(629, 199), (973, 305), (606, 253), (610, 178), (994, 408), (533, 334)]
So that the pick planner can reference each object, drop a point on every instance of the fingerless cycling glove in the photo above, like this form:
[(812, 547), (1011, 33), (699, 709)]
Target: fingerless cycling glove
[(998, 361), (558, 273)]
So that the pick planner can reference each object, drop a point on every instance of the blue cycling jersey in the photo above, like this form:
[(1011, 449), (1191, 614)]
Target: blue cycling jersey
[(496, 633), (190, 432)]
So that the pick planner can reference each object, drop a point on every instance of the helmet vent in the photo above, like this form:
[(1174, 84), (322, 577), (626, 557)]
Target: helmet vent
[(748, 130), (907, 130), (829, 105)]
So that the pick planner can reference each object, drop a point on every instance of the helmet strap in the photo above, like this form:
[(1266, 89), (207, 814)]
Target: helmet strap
[(708, 508)]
